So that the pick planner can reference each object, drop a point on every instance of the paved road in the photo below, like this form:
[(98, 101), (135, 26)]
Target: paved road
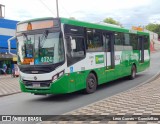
[(49, 105)]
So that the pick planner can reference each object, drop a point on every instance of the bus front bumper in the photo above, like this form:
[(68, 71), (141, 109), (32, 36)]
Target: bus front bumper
[(58, 87)]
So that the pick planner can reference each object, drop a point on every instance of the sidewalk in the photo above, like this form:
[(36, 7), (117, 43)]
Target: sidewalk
[(141, 100), (8, 85)]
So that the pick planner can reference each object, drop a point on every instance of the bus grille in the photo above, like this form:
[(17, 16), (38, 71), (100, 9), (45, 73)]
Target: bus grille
[(41, 70), (37, 84)]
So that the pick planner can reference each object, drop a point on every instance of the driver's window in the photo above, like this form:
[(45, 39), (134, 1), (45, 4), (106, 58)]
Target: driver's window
[(75, 49), (79, 47), (68, 43)]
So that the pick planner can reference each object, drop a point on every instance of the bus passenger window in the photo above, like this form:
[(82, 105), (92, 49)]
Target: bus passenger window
[(126, 40), (146, 42), (119, 41), (134, 41), (107, 40), (119, 37), (94, 40)]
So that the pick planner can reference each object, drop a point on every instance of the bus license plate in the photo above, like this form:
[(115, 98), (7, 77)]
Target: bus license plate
[(36, 85)]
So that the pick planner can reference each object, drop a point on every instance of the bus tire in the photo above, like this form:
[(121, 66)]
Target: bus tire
[(91, 83), (133, 72)]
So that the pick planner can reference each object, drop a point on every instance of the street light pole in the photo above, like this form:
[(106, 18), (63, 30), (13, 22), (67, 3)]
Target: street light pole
[(57, 8)]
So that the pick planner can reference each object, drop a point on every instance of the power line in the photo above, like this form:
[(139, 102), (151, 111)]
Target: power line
[(47, 7)]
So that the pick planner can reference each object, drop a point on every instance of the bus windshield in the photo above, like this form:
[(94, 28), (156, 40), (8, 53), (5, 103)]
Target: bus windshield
[(39, 49)]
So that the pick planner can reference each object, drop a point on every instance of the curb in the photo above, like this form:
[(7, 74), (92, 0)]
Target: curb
[(10, 94), (149, 80)]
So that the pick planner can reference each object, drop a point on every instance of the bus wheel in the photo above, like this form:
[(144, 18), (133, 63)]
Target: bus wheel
[(91, 83), (133, 72)]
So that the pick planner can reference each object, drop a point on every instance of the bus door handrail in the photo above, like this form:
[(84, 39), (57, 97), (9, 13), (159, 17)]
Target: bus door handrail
[(9, 45)]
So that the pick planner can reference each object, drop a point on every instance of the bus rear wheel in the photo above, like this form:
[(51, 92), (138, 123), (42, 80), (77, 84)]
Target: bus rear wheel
[(133, 72), (91, 83)]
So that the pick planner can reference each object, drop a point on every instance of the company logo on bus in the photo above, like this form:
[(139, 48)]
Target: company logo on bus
[(35, 78), (99, 59)]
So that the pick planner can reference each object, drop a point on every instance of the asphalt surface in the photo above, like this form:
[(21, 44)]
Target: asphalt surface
[(28, 104)]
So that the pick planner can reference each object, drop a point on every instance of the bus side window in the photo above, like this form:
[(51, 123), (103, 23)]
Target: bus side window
[(68, 44), (146, 42), (79, 50), (143, 40), (140, 43), (77, 53), (107, 42), (127, 44), (119, 41), (134, 41), (94, 40), (126, 40)]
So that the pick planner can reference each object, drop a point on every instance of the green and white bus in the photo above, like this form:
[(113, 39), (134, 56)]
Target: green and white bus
[(59, 55)]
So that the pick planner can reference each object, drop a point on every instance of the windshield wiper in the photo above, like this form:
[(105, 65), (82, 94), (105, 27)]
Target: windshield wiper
[(43, 38), (25, 36)]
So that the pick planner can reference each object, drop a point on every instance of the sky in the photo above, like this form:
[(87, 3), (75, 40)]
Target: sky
[(128, 12)]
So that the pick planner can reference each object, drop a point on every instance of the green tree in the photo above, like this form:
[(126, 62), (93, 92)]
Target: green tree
[(112, 21), (154, 28)]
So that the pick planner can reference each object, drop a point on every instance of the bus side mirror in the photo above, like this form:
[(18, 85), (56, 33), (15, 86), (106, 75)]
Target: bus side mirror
[(73, 44)]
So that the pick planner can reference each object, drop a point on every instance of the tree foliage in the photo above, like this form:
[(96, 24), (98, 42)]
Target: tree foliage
[(112, 21), (153, 27)]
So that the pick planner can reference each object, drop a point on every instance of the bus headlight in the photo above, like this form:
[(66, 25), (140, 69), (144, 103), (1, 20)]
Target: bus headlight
[(58, 75), (61, 73), (55, 77)]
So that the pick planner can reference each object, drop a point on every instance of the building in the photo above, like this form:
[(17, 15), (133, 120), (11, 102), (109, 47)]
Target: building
[(7, 30)]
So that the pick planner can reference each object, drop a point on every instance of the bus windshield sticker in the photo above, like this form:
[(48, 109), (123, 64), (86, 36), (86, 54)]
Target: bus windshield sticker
[(31, 63), (27, 60), (47, 59), (71, 69), (36, 61)]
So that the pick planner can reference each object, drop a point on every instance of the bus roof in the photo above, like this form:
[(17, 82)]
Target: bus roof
[(88, 25), (100, 26)]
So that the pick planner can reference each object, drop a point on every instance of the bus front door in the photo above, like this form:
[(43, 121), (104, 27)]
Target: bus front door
[(109, 50)]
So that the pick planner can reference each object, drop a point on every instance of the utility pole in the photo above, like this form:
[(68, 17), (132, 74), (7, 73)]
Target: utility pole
[(2, 11), (57, 8)]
